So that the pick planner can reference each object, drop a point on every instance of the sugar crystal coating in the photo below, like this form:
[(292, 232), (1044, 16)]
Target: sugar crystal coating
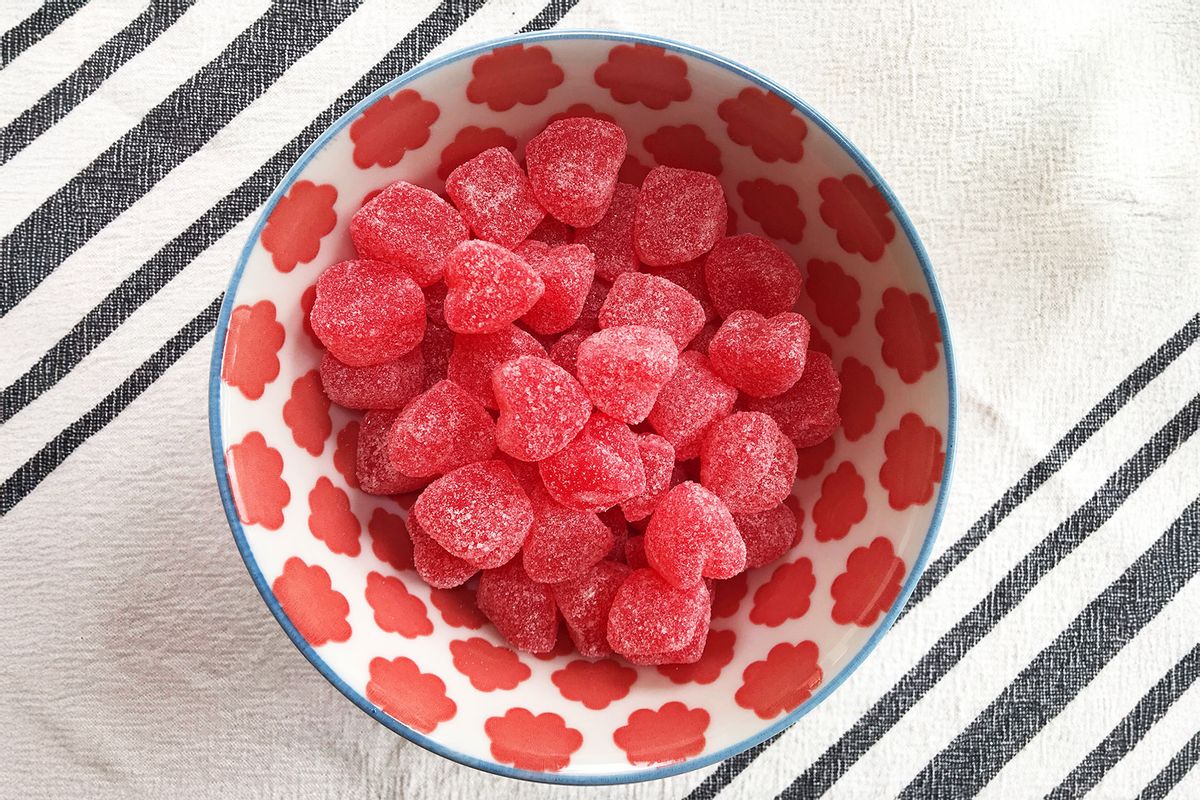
[(704, 338), (690, 276), (635, 552), (436, 348), (690, 653), (521, 609), (487, 287), (585, 601), (748, 272), (435, 302), (748, 462), (565, 351), (681, 213), (599, 468), (640, 299), (619, 527), (624, 368), (373, 466), (566, 272), (692, 536), (563, 542), (806, 413), (411, 227), (367, 312), (658, 457), (649, 615), (611, 239), (441, 430), (552, 232), (691, 401), (767, 534), (435, 566), (381, 386), (475, 356), (573, 166), (762, 357), (542, 407), (494, 197)]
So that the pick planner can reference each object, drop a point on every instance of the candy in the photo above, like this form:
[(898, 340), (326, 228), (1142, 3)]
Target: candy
[(589, 316), (390, 385), (690, 653), (373, 467), (635, 552), (681, 213), (573, 167), (494, 197), (704, 338), (658, 458), (566, 274), (435, 566), (768, 534), (649, 615), (639, 299), (690, 275), (624, 368), (436, 348), (806, 413), (487, 287), (479, 513), (521, 609), (611, 239), (552, 232), (619, 527), (748, 462), (367, 312), (585, 602), (563, 542), (474, 357), (435, 302), (542, 407), (748, 272), (691, 401), (441, 430), (411, 227), (565, 351), (693, 536), (762, 357), (601, 467)]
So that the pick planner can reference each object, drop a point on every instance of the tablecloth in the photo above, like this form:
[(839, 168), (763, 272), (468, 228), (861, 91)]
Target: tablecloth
[(1049, 155)]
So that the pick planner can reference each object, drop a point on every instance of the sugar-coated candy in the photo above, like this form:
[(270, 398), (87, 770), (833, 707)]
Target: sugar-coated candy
[(690, 653), (565, 351), (761, 356), (624, 368), (435, 302), (475, 356), (584, 602), (478, 512), (691, 401), (658, 457), (563, 542), (619, 527), (381, 386), (704, 338), (806, 413), (692, 536), (566, 272), (748, 272), (599, 468), (640, 299), (373, 467), (690, 275), (436, 566), (367, 312), (526, 473), (552, 232), (573, 166), (531, 250), (635, 552), (494, 197), (436, 348), (441, 430), (611, 239), (521, 609), (487, 287), (681, 213), (542, 407), (589, 315), (748, 462), (649, 615), (767, 534), (411, 227)]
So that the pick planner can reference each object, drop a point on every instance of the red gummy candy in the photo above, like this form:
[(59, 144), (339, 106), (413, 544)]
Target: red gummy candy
[(479, 513), (589, 316), (806, 413), (690, 653), (566, 274), (573, 167), (639, 299), (367, 312), (762, 357), (435, 566), (542, 407), (635, 552), (552, 232), (748, 272), (681, 213), (435, 303), (690, 275), (563, 542), (768, 534), (411, 227), (521, 609), (692, 536), (487, 287), (381, 386), (585, 602), (658, 457), (601, 467), (494, 197), (649, 615), (624, 368), (441, 430), (611, 239), (704, 338), (436, 347), (691, 401), (474, 357), (565, 351), (748, 462), (617, 524), (374, 469)]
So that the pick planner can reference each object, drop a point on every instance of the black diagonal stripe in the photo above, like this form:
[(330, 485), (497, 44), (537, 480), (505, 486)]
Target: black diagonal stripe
[(172, 131), (35, 27), (1016, 494), (1011, 589), (1130, 730), (56, 103), (1058, 673), (1173, 772)]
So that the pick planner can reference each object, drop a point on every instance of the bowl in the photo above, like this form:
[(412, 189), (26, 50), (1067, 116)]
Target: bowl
[(333, 563)]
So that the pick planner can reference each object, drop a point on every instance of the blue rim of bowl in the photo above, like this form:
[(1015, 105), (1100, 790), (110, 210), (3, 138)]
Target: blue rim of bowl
[(264, 587)]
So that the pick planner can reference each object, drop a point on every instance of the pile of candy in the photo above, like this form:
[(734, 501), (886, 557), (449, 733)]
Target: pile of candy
[(552, 399)]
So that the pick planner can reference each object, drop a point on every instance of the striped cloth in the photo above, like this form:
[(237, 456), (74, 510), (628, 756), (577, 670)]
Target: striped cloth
[(1048, 154)]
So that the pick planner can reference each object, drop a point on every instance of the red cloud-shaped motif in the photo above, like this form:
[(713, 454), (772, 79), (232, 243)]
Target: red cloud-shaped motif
[(458, 607), (312, 604), (684, 147), (331, 520), (256, 481), (910, 334), (766, 123), (641, 73), (818, 342), (543, 743), (914, 462), (252, 343), (672, 733), (843, 503), (811, 460), (306, 303), (489, 667), (835, 295), (345, 455), (511, 75), (785, 679), (596, 684), (774, 206), (859, 214), (297, 224), (389, 539), (718, 652), (470, 142), (785, 596), (869, 585), (861, 399), (581, 110), (396, 609), (415, 698), (391, 127), (632, 171), (728, 595), (307, 413)]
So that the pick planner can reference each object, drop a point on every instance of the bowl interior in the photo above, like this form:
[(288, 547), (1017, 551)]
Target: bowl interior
[(333, 563)]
